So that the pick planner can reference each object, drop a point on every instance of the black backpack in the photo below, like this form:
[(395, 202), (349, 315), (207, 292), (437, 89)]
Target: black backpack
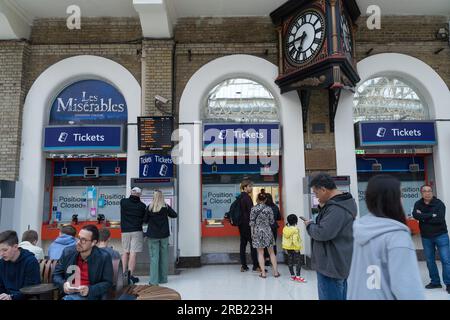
[(234, 214)]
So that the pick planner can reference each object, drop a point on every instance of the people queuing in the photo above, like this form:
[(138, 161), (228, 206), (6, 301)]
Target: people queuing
[(246, 205), (132, 211), (261, 222), (157, 217)]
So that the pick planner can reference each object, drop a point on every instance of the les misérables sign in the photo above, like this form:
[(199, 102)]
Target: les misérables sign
[(88, 115), (89, 102)]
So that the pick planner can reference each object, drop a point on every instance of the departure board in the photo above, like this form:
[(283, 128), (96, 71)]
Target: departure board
[(154, 134)]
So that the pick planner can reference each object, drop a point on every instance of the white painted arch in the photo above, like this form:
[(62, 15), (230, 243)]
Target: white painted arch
[(191, 103), (30, 187), (431, 87)]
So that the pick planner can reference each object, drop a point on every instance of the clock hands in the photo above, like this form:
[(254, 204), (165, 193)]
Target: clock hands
[(301, 37)]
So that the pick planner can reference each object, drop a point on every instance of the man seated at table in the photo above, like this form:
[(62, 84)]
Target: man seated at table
[(18, 267), (84, 272)]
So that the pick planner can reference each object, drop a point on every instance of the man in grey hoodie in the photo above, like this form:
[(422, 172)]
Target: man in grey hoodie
[(332, 238)]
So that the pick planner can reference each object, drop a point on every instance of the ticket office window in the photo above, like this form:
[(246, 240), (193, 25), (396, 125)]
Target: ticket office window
[(399, 168), (73, 194), (220, 190)]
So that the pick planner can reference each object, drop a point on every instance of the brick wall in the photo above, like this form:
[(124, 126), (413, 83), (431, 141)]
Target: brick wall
[(322, 155), (201, 40), (13, 62), (158, 75), (43, 56), (411, 35), (93, 30)]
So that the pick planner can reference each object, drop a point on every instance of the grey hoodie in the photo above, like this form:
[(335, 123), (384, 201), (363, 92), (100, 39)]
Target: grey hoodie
[(384, 265), (332, 237)]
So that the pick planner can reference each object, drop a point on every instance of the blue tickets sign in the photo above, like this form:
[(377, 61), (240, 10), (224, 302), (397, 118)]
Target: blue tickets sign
[(396, 133), (89, 101), (155, 166), (84, 138), (242, 135)]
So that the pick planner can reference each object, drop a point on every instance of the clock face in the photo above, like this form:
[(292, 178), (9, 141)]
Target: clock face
[(304, 37), (346, 36)]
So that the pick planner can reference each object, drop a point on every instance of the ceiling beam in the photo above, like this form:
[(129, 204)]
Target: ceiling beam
[(157, 18)]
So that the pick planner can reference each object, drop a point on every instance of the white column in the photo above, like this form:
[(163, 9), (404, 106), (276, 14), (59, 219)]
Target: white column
[(441, 157), (344, 137), (293, 155), (189, 192)]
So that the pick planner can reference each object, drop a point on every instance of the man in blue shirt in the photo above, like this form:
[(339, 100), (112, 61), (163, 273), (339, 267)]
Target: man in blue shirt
[(18, 267)]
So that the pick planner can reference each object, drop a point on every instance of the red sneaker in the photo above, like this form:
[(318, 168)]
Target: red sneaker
[(300, 279)]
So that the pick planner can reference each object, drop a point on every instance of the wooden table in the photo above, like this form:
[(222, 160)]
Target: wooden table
[(148, 292), (43, 291)]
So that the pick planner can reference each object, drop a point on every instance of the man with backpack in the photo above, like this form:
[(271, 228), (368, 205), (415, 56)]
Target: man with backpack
[(240, 216)]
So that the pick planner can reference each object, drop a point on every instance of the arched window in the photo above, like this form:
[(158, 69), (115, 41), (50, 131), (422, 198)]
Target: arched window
[(388, 98), (240, 100)]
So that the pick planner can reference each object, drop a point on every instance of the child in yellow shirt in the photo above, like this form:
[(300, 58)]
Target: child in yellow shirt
[(292, 244)]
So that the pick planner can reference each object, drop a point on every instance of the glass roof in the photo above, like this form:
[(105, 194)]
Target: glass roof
[(388, 98), (240, 100)]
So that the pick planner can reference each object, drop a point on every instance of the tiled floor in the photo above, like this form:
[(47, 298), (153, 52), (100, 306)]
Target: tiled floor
[(226, 282)]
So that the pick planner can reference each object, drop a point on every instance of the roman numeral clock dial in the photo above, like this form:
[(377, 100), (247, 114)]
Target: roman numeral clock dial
[(305, 36)]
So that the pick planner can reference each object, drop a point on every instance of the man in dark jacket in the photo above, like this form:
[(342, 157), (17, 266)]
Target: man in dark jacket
[(84, 272), (246, 205), (430, 211), (132, 212), (332, 238), (18, 267)]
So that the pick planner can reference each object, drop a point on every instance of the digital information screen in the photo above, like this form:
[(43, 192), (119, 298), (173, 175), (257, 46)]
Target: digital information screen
[(154, 134)]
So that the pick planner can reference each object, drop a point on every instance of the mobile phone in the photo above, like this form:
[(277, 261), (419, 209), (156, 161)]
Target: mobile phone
[(73, 288)]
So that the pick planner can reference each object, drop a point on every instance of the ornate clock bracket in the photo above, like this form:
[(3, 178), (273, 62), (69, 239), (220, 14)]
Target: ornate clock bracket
[(304, 96), (333, 101)]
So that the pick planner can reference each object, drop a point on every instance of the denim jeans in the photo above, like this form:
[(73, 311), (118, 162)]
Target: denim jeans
[(331, 288), (74, 296), (429, 248)]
